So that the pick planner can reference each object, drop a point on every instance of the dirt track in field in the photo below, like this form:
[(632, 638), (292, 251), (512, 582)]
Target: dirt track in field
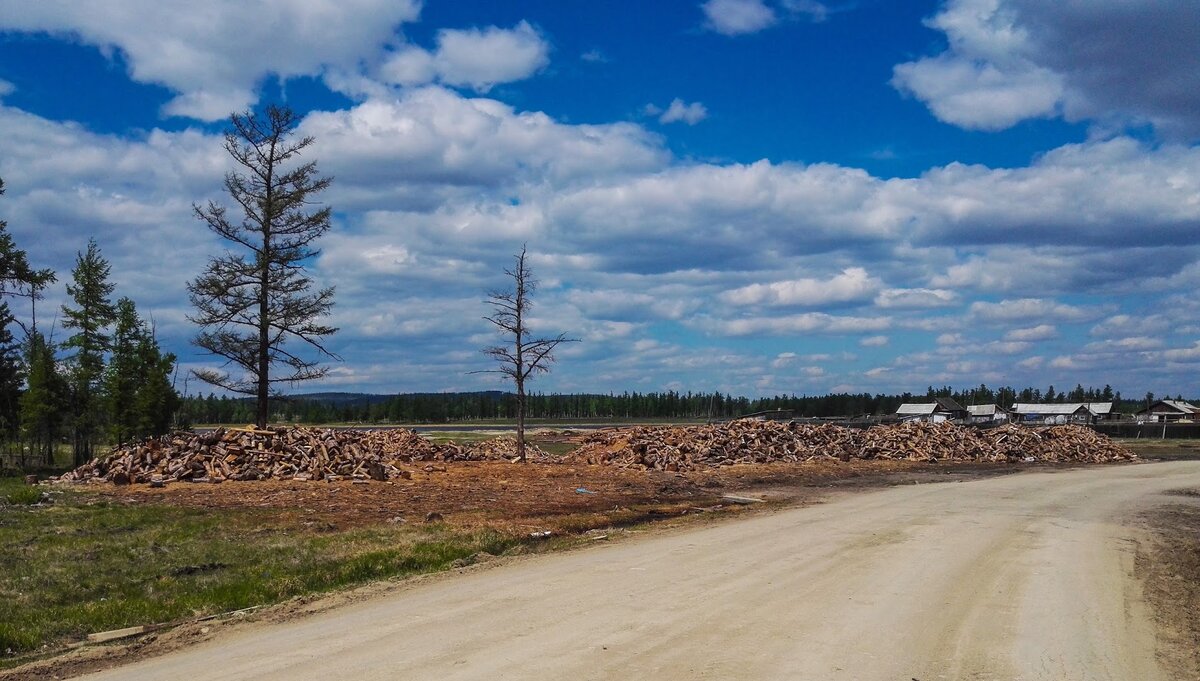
[(1028, 576)]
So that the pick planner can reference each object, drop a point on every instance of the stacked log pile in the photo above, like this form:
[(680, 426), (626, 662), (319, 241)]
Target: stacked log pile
[(283, 453), (687, 448)]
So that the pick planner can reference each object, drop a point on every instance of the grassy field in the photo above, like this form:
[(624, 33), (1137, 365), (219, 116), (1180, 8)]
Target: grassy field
[(83, 564)]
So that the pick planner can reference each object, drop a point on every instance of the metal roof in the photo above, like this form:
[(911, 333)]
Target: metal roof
[(983, 409), (1177, 405), (922, 408), (1067, 408)]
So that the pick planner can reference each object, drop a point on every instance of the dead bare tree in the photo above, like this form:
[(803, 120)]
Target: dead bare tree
[(519, 357)]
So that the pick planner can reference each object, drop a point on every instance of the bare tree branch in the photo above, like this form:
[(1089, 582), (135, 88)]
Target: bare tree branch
[(519, 358)]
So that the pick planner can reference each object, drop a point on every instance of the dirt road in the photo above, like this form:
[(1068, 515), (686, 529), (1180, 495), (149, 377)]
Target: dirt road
[(1020, 577)]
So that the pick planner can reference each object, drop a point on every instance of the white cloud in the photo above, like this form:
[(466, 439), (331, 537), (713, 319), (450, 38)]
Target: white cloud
[(915, 298), (678, 111), (476, 58), (1104, 61), (874, 341), (1124, 325), (736, 17), (853, 283), (1040, 332), (1123, 345), (6, 88), (1035, 362), (811, 322), (1030, 309), (214, 54)]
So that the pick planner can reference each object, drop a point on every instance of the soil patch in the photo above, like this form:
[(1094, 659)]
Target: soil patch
[(1169, 564)]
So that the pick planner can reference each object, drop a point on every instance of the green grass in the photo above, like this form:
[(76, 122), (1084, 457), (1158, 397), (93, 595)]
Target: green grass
[(15, 491), (80, 565)]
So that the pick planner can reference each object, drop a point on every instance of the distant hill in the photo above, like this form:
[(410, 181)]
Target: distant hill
[(336, 398)]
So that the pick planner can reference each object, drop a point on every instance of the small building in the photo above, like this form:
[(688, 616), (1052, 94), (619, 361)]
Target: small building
[(986, 413), (941, 409), (1067, 412), (1166, 411)]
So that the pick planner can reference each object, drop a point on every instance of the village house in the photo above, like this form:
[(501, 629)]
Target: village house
[(941, 409), (1164, 411), (1067, 412), (986, 413)]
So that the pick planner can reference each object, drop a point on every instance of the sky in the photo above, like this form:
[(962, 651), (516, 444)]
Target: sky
[(754, 196)]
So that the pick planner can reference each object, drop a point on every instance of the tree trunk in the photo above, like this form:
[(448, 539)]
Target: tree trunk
[(521, 420)]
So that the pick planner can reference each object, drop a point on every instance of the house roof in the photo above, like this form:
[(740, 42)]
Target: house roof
[(983, 410), (949, 404), (1051, 409), (1176, 405), (912, 409)]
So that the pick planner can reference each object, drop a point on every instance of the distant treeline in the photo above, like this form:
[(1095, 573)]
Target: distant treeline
[(450, 407)]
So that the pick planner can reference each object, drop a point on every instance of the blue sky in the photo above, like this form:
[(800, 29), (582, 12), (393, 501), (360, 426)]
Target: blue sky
[(756, 196)]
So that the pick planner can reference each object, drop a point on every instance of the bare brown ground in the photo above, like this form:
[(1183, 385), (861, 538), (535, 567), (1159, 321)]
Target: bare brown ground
[(530, 496), (1169, 564)]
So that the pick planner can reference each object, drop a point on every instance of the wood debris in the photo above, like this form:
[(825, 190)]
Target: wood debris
[(671, 448), (283, 453)]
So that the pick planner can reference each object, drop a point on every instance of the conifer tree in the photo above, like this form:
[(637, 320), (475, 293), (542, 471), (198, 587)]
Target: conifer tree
[(90, 318), (156, 400), (16, 276), (250, 304), (44, 399), (12, 376), (123, 374)]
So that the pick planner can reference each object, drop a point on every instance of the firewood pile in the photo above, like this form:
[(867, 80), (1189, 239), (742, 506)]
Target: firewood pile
[(687, 448), (1055, 443), (284, 453)]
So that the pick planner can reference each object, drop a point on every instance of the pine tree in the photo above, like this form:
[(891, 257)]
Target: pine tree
[(42, 404), (124, 373), (16, 276), (92, 315), (156, 400), (250, 304), (12, 376)]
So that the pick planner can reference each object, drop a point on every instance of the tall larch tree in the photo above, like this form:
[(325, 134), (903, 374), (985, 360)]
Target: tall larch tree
[(90, 318), (257, 308)]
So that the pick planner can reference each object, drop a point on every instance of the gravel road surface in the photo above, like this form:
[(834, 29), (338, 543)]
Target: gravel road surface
[(1019, 577)]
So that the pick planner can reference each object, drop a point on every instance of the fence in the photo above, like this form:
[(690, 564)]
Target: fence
[(1152, 431)]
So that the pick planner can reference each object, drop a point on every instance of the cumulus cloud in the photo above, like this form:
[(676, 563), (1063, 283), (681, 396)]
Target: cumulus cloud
[(1031, 309), (915, 298), (853, 283), (1124, 325), (810, 322), (1040, 332), (1109, 61), (214, 54), (678, 111), (736, 17), (435, 189), (874, 341), (475, 58)]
